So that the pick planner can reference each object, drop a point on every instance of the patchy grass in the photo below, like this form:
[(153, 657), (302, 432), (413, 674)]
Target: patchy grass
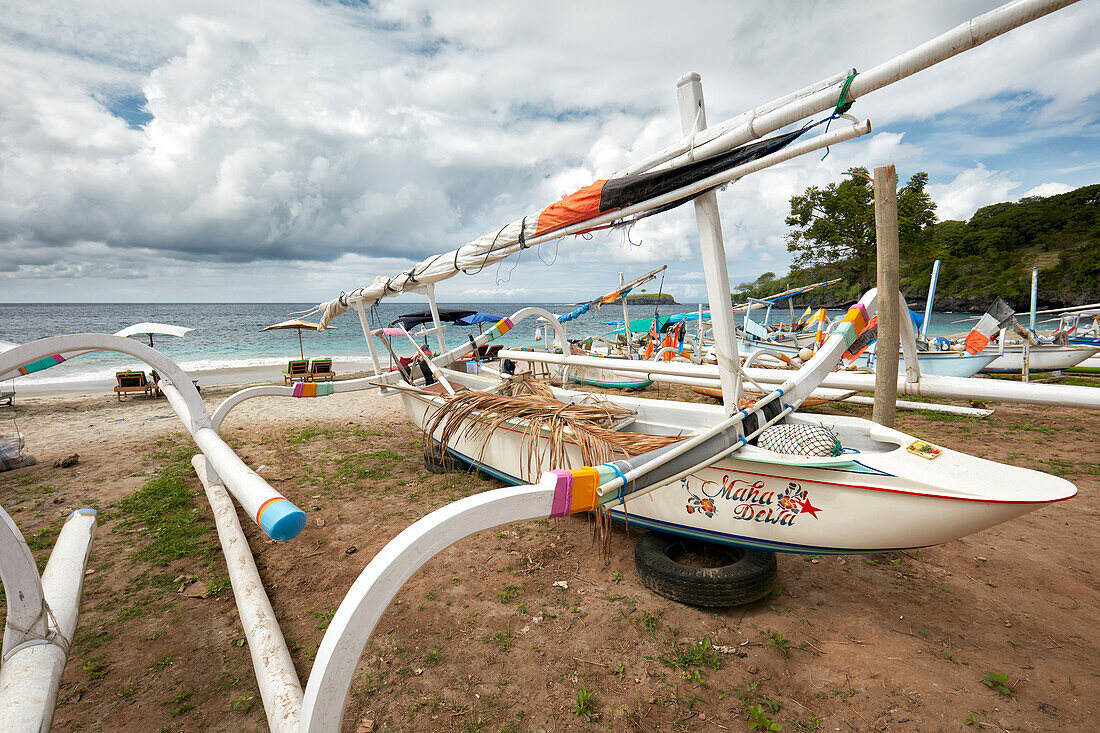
[(165, 511), (691, 656), (997, 681), (95, 667), (584, 705)]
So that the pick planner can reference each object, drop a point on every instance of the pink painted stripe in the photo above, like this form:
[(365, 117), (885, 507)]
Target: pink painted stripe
[(508, 321), (563, 493), (298, 387)]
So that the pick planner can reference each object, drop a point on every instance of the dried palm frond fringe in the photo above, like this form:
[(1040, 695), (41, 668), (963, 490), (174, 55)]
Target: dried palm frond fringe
[(548, 425), (532, 405), (522, 384)]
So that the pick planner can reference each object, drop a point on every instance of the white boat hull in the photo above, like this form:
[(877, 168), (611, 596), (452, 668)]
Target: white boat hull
[(938, 363), (883, 498), (608, 378), (1041, 359)]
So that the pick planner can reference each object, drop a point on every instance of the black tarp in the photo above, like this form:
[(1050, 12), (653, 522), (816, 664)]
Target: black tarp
[(618, 193), (409, 321)]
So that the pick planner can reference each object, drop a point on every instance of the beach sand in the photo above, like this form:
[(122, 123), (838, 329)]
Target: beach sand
[(482, 639)]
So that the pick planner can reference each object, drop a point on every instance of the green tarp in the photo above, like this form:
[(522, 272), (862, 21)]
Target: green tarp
[(641, 325)]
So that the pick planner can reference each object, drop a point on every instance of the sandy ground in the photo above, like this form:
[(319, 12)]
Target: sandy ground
[(485, 638)]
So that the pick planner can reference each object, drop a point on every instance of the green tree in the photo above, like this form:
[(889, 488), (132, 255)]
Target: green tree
[(834, 227)]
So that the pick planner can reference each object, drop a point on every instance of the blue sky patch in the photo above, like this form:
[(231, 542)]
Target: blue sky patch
[(129, 108)]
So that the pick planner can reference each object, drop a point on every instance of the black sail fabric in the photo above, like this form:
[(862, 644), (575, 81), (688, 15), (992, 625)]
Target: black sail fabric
[(618, 193)]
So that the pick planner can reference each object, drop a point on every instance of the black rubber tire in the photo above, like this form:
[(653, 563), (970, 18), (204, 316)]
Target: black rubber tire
[(747, 577)]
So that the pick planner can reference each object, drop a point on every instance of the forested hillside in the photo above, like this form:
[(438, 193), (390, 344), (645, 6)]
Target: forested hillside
[(988, 256)]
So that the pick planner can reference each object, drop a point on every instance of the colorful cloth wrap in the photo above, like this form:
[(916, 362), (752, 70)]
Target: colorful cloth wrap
[(854, 321), (46, 363), (503, 326), (574, 490), (312, 389), (857, 316)]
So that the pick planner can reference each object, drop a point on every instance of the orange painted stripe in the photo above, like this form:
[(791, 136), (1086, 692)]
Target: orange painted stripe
[(585, 482), (265, 505)]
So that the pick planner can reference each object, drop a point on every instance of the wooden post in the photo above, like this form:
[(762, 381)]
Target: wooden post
[(889, 305), (693, 118)]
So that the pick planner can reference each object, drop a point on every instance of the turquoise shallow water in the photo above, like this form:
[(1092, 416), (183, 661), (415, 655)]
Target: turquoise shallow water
[(227, 345)]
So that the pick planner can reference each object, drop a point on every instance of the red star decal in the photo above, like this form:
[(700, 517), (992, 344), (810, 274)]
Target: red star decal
[(808, 508)]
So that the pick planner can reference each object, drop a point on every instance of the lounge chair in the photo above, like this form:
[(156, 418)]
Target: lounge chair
[(488, 351), (321, 370), (6, 398), (296, 371), (131, 382)]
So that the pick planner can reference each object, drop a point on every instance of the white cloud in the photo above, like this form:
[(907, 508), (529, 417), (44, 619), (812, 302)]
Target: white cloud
[(294, 135), (971, 190), (1048, 189)]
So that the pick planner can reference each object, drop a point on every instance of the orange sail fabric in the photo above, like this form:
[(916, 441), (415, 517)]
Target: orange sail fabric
[(578, 206)]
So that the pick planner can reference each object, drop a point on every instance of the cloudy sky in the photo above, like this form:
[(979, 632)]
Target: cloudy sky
[(286, 150)]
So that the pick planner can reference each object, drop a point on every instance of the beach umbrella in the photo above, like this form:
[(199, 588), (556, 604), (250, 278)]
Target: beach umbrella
[(151, 329), (478, 318), (298, 324)]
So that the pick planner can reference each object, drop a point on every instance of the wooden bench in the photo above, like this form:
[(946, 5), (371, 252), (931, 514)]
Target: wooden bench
[(131, 382), (296, 371), (321, 371)]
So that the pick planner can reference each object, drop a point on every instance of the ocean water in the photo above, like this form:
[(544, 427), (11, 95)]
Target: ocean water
[(228, 347)]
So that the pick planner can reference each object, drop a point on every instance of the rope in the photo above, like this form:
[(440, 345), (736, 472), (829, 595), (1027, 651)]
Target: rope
[(843, 104), (492, 248), (522, 242), (557, 249), (53, 632), (695, 124)]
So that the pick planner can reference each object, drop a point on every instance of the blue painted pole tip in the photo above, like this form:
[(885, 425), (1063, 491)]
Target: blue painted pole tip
[(86, 512), (283, 521)]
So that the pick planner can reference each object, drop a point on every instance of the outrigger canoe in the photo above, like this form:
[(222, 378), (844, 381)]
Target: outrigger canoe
[(888, 491)]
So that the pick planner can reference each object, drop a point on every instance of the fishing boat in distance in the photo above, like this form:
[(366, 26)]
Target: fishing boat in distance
[(607, 378)]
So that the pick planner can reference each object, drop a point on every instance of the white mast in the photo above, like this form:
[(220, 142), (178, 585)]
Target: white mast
[(626, 318), (693, 118)]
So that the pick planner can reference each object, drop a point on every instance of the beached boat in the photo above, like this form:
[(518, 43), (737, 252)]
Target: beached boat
[(758, 476), (607, 378), (939, 363), (887, 491), (1082, 328), (1040, 358)]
